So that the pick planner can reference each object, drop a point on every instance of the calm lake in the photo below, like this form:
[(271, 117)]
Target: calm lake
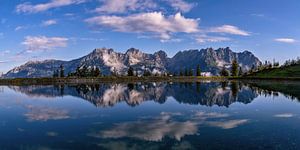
[(205, 115)]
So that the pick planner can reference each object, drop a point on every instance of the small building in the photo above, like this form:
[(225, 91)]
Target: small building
[(206, 74)]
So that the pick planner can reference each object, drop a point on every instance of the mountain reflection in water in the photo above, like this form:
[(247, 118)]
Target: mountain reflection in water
[(199, 93), (203, 115)]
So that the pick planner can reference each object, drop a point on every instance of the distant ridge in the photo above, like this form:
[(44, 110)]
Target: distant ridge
[(108, 60)]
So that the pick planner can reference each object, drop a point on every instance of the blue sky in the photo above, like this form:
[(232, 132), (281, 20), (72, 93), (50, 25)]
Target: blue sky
[(68, 29)]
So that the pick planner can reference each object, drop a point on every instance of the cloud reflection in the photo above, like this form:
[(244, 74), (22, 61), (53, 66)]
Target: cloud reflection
[(167, 125), (38, 113), (284, 115), (228, 124), (52, 134), (151, 129)]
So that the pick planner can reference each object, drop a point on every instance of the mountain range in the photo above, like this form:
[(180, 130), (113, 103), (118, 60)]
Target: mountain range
[(108, 60)]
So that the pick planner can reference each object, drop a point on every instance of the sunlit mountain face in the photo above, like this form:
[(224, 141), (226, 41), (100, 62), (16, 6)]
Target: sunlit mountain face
[(151, 116)]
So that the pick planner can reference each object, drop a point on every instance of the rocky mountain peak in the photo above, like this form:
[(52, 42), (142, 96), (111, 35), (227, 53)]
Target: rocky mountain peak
[(103, 50), (161, 54), (133, 51)]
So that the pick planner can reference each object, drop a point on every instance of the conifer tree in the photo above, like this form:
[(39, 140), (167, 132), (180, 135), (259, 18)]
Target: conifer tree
[(147, 73), (174, 74), (97, 72), (240, 71), (62, 71), (224, 72), (234, 68), (130, 72), (55, 73), (186, 72), (181, 72), (198, 73), (191, 73), (136, 72), (84, 71)]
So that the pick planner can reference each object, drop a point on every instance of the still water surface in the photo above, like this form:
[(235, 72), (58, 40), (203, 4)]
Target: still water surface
[(206, 115)]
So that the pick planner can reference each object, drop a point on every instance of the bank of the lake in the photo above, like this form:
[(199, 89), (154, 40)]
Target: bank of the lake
[(109, 79), (120, 79)]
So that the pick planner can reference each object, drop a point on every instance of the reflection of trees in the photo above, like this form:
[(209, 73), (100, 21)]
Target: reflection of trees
[(224, 84), (234, 89), (60, 89), (208, 94), (103, 95), (111, 94), (130, 86), (267, 88), (198, 86), (212, 94)]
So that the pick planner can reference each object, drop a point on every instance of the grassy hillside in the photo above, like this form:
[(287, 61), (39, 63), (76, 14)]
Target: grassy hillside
[(290, 71)]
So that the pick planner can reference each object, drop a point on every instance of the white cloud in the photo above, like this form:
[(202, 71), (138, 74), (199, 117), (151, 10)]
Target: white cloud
[(117, 6), (173, 40), (86, 39), (205, 38), (35, 43), (285, 40), (229, 29), (31, 8), (285, 115), (49, 22), (123, 6), (69, 14), (20, 28), (154, 23), (181, 5)]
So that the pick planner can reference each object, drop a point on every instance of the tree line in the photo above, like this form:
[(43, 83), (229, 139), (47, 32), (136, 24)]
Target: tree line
[(268, 65), (85, 71)]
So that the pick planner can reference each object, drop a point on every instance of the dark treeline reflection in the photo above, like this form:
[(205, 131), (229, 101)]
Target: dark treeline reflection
[(290, 90), (200, 93)]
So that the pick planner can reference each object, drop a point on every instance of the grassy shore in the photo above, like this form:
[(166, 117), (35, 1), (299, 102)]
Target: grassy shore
[(108, 79), (120, 79)]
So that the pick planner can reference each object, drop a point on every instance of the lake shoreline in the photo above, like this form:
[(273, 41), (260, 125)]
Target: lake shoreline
[(110, 79), (125, 79)]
